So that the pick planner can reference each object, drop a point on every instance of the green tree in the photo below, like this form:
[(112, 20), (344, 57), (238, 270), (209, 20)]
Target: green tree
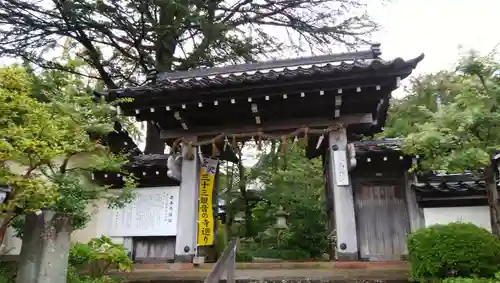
[(46, 155), (294, 184), (462, 132), (425, 94), (125, 40)]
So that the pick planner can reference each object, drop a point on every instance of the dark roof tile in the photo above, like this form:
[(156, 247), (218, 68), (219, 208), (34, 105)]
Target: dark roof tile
[(239, 74), (461, 184), (148, 160), (383, 145)]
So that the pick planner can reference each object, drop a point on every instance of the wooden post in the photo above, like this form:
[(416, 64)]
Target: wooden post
[(415, 213), (185, 242), (492, 193), (343, 201)]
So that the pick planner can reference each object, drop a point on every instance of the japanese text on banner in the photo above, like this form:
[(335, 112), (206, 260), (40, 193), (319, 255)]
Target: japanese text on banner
[(205, 201)]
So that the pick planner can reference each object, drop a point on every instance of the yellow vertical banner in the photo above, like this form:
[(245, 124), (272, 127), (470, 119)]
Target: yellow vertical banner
[(206, 222)]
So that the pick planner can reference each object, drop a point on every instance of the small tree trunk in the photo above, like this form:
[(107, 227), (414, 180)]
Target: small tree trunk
[(45, 249), (494, 204), (227, 202), (243, 191)]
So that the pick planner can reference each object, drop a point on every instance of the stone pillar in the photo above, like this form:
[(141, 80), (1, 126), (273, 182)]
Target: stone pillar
[(185, 242), (343, 201), (45, 250)]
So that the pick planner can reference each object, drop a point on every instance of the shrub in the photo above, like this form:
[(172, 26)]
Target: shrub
[(453, 250), (496, 279), (4, 278), (468, 280), (99, 255), (75, 277)]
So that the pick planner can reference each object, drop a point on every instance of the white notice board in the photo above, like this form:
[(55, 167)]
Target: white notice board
[(153, 212)]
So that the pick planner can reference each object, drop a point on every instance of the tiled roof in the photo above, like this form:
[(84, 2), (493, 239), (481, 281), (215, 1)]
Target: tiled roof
[(121, 142), (144, 161), (465, 183), (334, 65), (431, 183), (383, 145), (276, 65)]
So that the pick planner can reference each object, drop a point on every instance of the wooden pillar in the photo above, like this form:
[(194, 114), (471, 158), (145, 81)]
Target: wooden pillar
[(415, 213), (185, 242), (343, 201)]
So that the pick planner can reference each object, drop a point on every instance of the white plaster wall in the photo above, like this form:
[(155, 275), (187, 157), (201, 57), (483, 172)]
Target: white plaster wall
[(477, 215), (95, 228), (11, 245)]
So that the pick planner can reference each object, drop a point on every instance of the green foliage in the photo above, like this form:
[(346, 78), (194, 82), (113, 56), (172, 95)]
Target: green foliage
[(425, 95), (496, 279), (468, 280), (4, 278), (8, 270), (244, 255), (99, 255), (50, 144), (220, 240), (75, 277), (293, 183), (455, 249), (451, 119), (49, 120)]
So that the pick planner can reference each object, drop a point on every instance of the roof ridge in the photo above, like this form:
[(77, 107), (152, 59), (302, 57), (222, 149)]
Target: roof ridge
[(372, 53)]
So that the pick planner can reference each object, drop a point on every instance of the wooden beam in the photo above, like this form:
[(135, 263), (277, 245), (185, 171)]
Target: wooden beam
[(364, 118)]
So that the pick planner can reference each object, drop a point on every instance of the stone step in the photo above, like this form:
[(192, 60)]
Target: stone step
[(197, 275), (329, 265), (296, 280)]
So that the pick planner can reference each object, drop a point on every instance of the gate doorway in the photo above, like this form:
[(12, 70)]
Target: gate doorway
[(382, 220)]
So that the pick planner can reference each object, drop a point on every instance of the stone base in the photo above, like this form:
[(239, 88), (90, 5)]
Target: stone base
[(184, 258), (347, 256)]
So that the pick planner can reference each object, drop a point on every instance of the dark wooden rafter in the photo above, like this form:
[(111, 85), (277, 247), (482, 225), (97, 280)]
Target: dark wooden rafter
[(270, 127), (317, 104), (192, 98), (183, 123)]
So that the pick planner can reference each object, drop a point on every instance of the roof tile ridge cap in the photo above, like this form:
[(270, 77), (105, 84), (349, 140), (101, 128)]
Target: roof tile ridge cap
[(307, 61)]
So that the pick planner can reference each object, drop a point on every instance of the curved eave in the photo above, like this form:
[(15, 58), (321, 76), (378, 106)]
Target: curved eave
[(335, 71)]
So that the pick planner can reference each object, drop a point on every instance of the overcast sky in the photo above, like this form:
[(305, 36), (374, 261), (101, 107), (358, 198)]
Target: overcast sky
[(436, 28)]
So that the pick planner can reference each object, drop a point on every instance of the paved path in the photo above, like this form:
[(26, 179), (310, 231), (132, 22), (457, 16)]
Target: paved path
[(273, 274)]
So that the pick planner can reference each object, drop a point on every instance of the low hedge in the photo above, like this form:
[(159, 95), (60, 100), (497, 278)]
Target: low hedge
[(453, 250)]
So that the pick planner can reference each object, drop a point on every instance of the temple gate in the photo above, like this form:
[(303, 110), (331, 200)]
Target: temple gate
[(328, 100)]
